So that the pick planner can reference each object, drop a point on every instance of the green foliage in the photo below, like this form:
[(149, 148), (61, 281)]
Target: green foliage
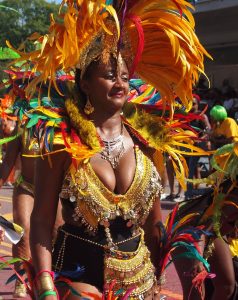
[(25, 18), (3, 76), (18, 20)]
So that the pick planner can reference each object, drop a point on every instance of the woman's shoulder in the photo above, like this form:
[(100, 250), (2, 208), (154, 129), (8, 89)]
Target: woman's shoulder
[(58, 158), (155, 157)]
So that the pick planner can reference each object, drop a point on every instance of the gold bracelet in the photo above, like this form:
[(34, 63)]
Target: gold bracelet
[(44, 283)]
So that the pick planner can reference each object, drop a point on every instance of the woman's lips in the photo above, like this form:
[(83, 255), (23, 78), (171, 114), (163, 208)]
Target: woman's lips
[(118, 94)]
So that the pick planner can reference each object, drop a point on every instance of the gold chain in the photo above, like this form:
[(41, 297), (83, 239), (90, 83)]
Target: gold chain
[(98, 244)]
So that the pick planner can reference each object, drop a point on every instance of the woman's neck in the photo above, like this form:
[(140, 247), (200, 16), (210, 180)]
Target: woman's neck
[(108, 127)]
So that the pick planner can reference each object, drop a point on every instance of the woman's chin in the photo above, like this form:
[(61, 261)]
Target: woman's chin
[(118, 101)]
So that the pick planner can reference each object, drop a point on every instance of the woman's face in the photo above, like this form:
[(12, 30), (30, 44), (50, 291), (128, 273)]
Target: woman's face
[(107, 86), (195, 105), (7, 126)]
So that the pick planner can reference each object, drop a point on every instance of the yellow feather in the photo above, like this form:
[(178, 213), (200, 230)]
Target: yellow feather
[(45, 111), (236, 148), (185, 219)]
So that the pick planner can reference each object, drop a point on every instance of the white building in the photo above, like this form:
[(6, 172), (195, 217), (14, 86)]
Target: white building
[(217, 28)]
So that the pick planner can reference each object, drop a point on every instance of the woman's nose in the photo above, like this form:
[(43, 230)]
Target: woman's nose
[(119, 82)]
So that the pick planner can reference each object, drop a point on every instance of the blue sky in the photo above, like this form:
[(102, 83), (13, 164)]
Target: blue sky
[(56, 1)]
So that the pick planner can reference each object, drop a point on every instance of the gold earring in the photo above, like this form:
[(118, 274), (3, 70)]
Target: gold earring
[(88, 108)]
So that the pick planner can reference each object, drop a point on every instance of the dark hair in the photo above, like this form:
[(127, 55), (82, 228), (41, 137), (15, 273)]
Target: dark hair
[(82, 97), (87, 74)]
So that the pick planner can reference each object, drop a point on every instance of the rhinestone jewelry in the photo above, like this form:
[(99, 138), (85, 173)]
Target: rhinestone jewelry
[(113, 149)]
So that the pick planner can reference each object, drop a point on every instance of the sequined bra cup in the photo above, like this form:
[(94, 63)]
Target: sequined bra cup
[(94, 204)]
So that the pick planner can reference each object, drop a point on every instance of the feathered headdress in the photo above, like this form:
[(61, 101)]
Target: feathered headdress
[(156, 38), (158, 43)]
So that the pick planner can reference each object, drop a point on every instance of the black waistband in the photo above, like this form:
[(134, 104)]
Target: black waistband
[(100, 238)]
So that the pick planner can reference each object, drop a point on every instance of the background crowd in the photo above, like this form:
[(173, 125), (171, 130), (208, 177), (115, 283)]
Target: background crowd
[(205, 98)]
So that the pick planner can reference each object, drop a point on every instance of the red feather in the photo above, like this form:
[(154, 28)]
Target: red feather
[(141, 42)]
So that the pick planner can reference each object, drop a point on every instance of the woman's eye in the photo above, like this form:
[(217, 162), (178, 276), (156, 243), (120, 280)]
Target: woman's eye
[(110, 76), (125, 78)]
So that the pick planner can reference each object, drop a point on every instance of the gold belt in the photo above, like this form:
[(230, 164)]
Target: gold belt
[(130, 270)]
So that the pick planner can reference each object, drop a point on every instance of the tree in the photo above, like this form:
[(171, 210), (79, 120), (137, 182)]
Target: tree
[(19, 19), (29, 17)]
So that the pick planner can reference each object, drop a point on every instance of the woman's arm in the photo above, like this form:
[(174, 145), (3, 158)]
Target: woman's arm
[(13, 150), (152, 234), (1, 234), (206, 122), (48, 182)]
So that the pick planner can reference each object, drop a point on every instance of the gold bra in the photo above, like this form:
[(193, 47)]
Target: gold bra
[(94, 203)]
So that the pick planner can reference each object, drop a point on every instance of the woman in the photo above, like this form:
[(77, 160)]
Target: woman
[(217, 211), (1, 234), (22, 199), (215, 249), (203, 127), (18, 154), (112, 176), (102, 164)]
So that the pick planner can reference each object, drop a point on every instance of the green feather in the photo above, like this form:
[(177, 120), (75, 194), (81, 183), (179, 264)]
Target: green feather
[(9, 262), (52, 133), (224, 149), (217, 213), (7, 53), (34, 120), (8, 139), (215, 165)]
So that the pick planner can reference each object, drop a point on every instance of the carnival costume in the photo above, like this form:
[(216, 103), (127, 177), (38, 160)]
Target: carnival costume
[(156, 39)]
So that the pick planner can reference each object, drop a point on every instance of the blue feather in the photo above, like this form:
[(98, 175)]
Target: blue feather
[(71, 274)]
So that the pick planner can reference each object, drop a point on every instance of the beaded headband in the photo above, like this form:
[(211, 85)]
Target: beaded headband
[(104, 46)]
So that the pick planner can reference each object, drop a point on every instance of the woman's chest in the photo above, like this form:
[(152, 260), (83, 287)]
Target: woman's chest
[(117, 180), (94, 201)]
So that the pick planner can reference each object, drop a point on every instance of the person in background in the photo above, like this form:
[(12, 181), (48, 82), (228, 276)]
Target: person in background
[(23, 195), (172, 196), (203, 127), (233, 243), (22, 199), (7, 128), (224, 129), (226, 88), (1, 234)]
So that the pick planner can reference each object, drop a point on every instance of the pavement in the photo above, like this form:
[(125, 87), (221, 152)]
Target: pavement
[(171, 289)]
